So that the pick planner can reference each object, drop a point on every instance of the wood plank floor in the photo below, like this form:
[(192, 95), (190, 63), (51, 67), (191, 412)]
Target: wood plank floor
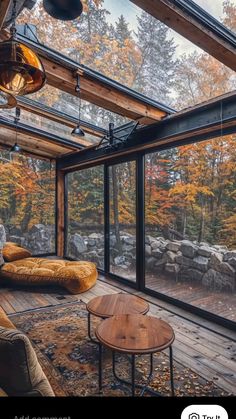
[(206, 348), (220, 303)]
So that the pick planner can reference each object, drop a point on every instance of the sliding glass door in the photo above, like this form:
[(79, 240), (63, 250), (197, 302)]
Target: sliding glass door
[(164, 222), (85, 215), (122, 220), (190, 225)]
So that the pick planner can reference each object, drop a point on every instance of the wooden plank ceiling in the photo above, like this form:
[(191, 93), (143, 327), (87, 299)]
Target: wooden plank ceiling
[(35, 144), (99, 90)]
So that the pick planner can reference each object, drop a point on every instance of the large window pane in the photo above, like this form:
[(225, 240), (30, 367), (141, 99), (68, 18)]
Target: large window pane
[(190, 195), (27, 201), (85, 233), (122, 181)]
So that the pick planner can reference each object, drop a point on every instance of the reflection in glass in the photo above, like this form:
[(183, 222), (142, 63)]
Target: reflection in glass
[(190, 224), (122, 182), (27, 197), (85, 222)]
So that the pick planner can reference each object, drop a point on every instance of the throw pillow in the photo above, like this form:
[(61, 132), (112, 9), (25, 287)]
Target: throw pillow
[(11, 253)]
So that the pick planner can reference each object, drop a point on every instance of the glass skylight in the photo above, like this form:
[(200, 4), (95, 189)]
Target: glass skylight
[(119, 40)]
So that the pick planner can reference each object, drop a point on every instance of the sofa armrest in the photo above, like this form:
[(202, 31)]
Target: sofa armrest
[(20, 371)]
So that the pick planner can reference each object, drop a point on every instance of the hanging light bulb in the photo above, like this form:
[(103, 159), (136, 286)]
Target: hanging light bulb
[(21, 70), (77, 131), (16, 148)]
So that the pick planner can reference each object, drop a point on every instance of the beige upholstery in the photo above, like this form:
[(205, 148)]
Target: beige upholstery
[(20, 372)]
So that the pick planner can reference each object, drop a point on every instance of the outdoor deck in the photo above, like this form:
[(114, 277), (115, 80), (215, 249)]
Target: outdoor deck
[(220, 303), (208, 349)]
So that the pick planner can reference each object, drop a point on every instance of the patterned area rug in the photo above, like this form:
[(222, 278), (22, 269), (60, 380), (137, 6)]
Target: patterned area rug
[(70, 360)]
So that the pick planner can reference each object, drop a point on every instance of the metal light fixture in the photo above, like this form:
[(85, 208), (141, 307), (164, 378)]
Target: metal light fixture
[(16, 148), (63, 9), (7, 101), (21, 70), (77, 131)]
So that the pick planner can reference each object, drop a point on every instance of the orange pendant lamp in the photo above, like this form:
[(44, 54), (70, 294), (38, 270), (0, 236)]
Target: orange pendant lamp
[(21, 70)]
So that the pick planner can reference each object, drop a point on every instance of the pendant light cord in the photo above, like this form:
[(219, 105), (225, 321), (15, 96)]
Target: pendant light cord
[(13, 26), (17, 118), (77, 89)]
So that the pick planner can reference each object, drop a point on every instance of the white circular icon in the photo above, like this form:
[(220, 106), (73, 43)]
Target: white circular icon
[(204, 411)]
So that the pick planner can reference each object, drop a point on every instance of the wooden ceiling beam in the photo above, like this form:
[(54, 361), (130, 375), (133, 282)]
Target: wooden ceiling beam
[(195, 25), (99, 93), (59, 117), (33, 141), (4, 8), (95, 88)]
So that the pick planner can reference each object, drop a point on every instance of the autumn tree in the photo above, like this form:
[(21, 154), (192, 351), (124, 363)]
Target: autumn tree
[(154, 76), (27, 194)]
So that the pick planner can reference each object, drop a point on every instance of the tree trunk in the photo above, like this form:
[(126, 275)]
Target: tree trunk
[(184, 222), (27, 216), (202, 225)]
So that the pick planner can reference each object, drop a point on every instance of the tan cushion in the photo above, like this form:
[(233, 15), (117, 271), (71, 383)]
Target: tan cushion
[(4, 320), (76, 277), (2, 393), (11, 253), (20, 371)]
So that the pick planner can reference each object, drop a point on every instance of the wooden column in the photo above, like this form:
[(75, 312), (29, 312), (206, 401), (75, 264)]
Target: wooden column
[(60, 216), (4, 8)]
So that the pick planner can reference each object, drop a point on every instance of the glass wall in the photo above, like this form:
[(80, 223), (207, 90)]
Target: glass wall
[(27, 201), (190, 224), (85, 222), (122, 186)]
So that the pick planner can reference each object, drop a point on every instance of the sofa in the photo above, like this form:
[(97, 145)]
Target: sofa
[(20, 268), (20, 371)]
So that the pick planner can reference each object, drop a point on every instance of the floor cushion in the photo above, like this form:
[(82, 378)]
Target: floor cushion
[(76, 277)]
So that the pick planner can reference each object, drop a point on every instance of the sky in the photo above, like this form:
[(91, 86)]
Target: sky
[(130, 11)]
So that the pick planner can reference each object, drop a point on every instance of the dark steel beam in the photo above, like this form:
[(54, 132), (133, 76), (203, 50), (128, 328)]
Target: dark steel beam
[(214, 118), (196, 25)]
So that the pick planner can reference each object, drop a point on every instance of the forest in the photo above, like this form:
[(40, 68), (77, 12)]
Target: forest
[(189, 191)]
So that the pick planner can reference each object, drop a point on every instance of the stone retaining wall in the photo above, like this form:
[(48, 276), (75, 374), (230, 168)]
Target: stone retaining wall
[(39, 239), (184, 260), (213, 266)]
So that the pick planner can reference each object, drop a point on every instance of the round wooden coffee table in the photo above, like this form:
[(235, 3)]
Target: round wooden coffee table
[(135, 334), (106, 306)]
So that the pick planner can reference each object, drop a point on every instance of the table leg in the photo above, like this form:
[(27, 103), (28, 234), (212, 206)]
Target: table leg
[(100, 368), (89, 330), (133, 375), (172, 373)]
